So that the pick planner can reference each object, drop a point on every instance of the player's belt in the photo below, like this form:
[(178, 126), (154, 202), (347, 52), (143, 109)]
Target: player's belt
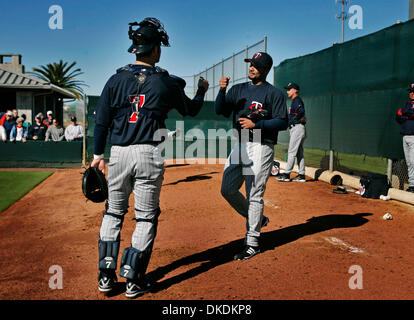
[(292, 125)]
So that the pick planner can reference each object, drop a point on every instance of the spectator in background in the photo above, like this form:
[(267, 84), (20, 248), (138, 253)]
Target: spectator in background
[(6, 125), (38, 129), (26, 124), (15, 114), (4, 116), (55, 131), (74, 131), (18, 132), (49, 119), (405, 117), (41, 117)]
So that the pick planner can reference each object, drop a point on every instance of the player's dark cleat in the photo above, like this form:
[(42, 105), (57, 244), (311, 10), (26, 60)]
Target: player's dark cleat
[(106, 282), (284, 177), (299, 178), (138, 288), (247, 253), (410, 189), (265, 221)]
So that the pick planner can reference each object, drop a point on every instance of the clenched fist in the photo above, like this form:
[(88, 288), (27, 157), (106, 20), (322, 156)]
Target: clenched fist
[(202, 83), (224, 82)]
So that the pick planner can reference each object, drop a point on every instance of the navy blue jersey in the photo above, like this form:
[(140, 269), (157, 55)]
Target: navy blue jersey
[(296, 111), (245, 96), (134, 110), (405, 117), (38, 130)]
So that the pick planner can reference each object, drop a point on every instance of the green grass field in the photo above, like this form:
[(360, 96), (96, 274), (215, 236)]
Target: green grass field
[(15, 184)]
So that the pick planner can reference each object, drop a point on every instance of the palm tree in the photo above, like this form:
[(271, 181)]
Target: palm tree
[(61, 75)]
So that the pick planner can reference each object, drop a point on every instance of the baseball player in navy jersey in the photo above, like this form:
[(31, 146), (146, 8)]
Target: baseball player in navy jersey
[(251, 161), (405, 117), (133, 107), (297, 132)]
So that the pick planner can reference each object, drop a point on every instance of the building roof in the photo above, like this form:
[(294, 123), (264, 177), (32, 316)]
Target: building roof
[(15, 80)]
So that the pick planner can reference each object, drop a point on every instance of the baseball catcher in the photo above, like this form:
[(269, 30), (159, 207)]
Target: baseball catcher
[(133, 107)]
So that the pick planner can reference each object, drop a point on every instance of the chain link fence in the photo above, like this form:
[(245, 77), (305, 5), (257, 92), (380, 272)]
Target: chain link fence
[(352, 164), (233, 67), (399, 174)]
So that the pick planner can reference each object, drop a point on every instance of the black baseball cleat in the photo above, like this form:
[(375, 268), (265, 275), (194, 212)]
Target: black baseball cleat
[(247, 253), (410, 189), (106, 281), (299, 178), (284, 177), (137, 288)]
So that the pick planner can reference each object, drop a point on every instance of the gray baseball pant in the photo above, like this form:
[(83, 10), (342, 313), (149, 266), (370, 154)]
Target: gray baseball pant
[(408, 145), (137, 168), (251, 163), (297, 137)]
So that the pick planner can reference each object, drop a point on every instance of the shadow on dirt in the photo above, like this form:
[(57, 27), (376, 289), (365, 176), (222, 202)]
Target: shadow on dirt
[(214, 257), (176, 165), (202, 176)]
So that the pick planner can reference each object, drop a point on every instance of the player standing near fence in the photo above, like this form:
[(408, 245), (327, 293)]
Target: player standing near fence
[(405, 117), (297, 132), (133, 106), (251, 161)]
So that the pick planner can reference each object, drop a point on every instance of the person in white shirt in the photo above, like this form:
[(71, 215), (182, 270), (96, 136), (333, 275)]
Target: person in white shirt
[(74, 131), (18, 132)]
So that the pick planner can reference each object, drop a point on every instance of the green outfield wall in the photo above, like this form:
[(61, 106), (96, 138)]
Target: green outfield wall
[(353, 90)]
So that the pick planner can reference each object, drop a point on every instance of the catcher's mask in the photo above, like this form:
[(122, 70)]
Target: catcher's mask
[(94, 185), (150, 32)]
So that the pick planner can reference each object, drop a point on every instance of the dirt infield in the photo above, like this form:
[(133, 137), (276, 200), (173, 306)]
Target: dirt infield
[(313, 239)]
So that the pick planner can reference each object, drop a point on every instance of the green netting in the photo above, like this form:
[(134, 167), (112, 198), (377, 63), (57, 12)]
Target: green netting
[(352, 91), (41, 153)]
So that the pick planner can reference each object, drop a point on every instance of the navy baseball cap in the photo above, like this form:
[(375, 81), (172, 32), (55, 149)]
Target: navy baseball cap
[(292, 85), (73, 118), (411, 88), (260, 60)]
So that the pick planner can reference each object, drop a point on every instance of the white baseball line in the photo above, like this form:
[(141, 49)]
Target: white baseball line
[(270, 204), (343, 244)]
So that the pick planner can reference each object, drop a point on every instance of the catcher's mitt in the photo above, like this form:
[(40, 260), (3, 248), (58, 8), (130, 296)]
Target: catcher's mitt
[(94, 185), (255, 115)]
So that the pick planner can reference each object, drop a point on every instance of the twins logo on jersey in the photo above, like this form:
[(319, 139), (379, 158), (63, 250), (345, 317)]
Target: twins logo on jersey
[(256, 105), (138, 102)]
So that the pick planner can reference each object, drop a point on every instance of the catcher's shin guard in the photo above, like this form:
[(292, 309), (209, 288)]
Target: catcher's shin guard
[(108, 254), (134, 263)]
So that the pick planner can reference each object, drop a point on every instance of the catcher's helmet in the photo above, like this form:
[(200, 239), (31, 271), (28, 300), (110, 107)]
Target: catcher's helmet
[(150, 33)]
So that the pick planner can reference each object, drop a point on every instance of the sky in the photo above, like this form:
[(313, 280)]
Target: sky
[(202, 33)]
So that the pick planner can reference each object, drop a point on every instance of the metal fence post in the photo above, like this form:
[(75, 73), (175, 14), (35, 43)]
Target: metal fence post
[(389, 169), (214, 78), (85, 120), (265, 43), (247, 65), (232, 71), (331, 160)]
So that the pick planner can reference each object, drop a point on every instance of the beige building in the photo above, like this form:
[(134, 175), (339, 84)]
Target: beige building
[(28, 94)]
